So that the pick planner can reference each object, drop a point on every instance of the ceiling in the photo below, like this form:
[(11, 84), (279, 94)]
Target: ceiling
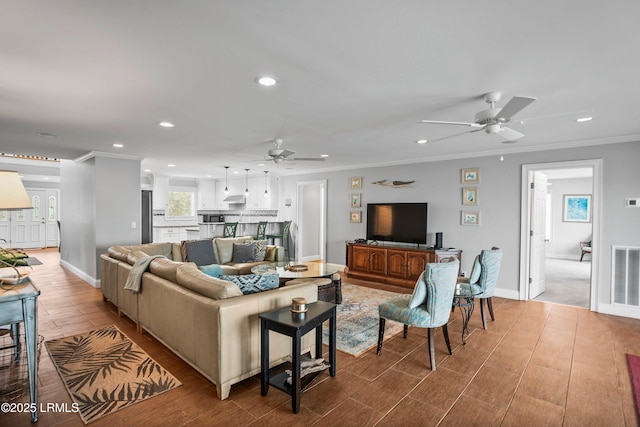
[(354, 79)]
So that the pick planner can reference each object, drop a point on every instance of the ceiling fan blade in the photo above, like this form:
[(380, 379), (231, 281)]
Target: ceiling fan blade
[(513, 107), (315, 159), (440, 122), (278, 152), (510, 134), (452, 136)]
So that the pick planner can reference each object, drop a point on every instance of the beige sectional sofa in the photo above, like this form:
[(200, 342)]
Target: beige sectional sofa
[(206, 321)]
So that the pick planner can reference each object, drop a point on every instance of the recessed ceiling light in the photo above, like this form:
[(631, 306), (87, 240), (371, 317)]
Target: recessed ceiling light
[(421, 141), (207, 176), (147, 170), (46, 178), (324, 155), (584, 119), (117, 145), (236, 172), (166, 124), (260, 164), (266, 81), (171, 165)]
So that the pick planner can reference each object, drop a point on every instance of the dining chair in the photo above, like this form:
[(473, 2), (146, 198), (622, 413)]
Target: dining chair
[(428, 307), (483, 279)]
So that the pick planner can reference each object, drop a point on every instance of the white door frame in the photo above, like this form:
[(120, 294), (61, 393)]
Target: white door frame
[(525, 209), (303, 226)]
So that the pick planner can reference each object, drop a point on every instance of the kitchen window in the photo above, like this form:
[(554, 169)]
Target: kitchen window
[(181, 203)]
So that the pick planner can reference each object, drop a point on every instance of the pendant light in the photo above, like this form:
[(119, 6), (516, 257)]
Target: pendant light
[(226, 180), (266, 183), (246, 183)]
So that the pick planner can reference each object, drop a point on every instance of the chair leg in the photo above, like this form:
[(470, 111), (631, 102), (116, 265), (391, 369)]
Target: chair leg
[(445, 332), (406, 329), (493, 318), (432, 349), (380, 335), (581, 256), (484, 318)]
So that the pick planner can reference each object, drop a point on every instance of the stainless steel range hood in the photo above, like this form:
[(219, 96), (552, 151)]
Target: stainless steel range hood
[(235, 198)]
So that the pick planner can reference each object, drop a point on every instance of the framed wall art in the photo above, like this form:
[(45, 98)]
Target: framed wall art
[(356, 216), (356, 182), (470, 176), (470, 218), (356, 200), (576, 208), (470, 196)]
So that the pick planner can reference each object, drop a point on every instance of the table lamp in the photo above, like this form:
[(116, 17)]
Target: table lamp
[(13, 195)]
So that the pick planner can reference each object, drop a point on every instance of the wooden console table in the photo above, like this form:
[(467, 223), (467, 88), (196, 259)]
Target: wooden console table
[(394, 265), (19, 304)]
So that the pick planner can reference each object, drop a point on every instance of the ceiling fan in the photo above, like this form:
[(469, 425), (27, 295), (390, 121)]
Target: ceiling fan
[(280, 154), (493, 119)]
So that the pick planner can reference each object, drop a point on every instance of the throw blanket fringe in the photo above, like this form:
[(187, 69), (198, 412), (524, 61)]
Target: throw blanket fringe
[(134, 281)]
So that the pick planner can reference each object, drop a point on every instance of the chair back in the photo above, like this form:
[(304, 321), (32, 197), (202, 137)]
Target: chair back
[(286, 228), (230, 229), (262, 229), (490, 267), (440, 279)]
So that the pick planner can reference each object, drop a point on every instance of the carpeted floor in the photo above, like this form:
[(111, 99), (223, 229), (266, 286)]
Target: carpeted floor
[(358, 320), (104, 371), (567, 282)]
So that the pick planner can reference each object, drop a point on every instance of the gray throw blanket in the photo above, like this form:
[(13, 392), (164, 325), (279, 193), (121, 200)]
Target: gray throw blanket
[(134, 281)]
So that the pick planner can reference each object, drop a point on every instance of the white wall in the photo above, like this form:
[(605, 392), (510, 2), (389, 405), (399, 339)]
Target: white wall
[(566, 236), (438, 183)]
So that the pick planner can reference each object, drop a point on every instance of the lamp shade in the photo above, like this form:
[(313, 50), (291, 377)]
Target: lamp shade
[(13, 196)]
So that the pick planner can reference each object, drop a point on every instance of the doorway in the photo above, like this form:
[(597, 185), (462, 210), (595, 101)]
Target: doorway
[(312, 221), (551, 269)]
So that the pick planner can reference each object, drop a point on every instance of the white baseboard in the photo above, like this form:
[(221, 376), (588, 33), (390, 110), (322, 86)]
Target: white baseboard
[(81, 274), (619, 310), (506, 293)]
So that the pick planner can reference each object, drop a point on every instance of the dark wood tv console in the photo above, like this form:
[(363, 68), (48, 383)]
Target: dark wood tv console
[(391, 264)]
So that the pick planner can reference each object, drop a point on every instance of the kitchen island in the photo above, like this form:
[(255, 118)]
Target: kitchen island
[(209, 230)]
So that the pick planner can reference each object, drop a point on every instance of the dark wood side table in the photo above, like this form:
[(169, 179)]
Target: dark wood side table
[(296, 325), (19, 304)]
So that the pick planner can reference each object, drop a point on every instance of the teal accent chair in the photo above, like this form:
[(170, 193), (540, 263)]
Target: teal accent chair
[(262, 230), (230, 229), (483, 279), (429, 307)]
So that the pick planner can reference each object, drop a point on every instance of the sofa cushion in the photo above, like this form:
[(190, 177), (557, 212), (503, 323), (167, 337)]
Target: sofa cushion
[(198, 251), (176, 251), (134, 256), (119, 252), (190, 277), (224, 247), (165, 268), (213, 270), (254, 283), (153, 248), (261, 250), (244, 252)]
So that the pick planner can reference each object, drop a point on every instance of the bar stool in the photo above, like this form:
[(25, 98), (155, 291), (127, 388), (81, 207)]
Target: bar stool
[(284, 238), (230, 229), (262, 230)]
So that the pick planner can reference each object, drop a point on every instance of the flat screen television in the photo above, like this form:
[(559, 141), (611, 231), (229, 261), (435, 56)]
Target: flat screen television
[(397, 222)]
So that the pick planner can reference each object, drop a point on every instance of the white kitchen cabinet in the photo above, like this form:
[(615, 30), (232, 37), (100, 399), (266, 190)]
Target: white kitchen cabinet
[(160, 191), (207, 194), (172, 234)]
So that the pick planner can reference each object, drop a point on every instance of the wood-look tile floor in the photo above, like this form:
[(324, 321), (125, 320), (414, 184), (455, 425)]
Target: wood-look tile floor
[(537, 364)]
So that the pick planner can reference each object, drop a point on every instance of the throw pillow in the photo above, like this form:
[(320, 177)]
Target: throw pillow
[(419, 295), (213, 270), (270, 254), (199, 252), (244, 252), (261, 249), (254, 283)]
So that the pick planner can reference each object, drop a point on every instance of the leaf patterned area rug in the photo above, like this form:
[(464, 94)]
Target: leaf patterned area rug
[(104, 371), (358, 320)]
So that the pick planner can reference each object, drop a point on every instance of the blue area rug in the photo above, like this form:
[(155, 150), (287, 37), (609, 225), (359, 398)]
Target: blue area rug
[(358, 320)]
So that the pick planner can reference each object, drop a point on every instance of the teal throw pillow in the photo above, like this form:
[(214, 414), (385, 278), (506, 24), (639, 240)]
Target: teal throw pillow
[(213, 270), (254, 283), (419, 293)]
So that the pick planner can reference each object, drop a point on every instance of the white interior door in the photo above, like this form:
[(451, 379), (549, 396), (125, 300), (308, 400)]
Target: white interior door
[(311, 221), (28, 225), (538, 234)]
